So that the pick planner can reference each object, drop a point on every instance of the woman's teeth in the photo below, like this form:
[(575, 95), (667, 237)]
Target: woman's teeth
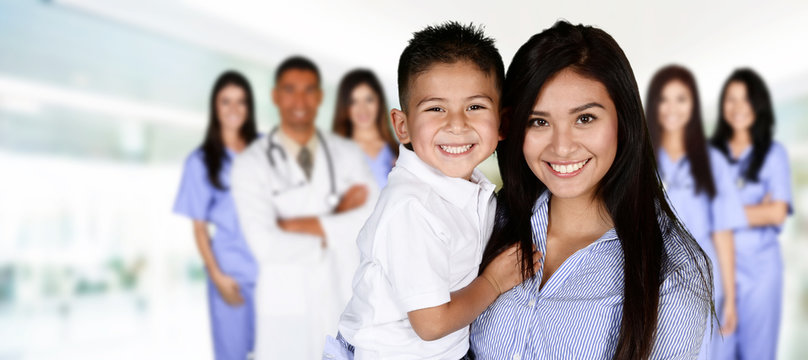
[(455, 149), (566, 169)]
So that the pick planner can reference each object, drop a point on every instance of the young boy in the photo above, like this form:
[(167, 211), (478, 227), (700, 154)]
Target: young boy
[(416, 290)]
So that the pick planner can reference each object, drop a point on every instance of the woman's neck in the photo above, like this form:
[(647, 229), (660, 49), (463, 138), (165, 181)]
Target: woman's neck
[(579, 217), (233, 141), (674, 144), (367, 134), (369, 140), (739, 142)]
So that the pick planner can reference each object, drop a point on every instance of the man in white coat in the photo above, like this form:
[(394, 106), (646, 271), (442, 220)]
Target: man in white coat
[(302, 196)]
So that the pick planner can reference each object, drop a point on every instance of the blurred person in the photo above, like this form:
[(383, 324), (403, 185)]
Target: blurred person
[(699, 184), (204, 196), (621, 277), (761, 174), (302, 195), (361, 115)]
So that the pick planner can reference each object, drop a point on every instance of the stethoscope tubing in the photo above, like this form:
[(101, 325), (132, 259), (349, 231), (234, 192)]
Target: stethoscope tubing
[(332, 197)]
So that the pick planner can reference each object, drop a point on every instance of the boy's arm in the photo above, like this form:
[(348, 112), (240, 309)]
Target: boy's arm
[(465, 305), (469, 302)]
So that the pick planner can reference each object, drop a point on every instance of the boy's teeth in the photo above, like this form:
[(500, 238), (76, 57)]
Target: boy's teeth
[(566, 169), (455, 149)]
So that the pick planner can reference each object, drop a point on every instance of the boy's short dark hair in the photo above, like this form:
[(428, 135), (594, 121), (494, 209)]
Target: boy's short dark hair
[(447, 43), (297, 63)]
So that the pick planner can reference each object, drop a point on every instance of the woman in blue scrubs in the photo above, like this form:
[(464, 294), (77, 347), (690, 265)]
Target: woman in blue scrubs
[(699, 184), (760, 172), (361, 116), (205, 198)]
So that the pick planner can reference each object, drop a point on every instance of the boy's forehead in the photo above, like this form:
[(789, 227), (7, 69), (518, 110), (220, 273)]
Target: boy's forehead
[(452, 80)]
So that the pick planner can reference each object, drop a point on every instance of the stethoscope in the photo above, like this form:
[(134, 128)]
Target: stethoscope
[(740, 182), (332, 199)]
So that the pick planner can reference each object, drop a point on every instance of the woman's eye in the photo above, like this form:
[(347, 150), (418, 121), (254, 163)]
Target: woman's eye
[(475, 107), (585, 119), (538, 122)]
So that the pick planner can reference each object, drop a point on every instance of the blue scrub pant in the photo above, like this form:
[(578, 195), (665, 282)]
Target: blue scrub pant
[(759, 288), (233, 327)]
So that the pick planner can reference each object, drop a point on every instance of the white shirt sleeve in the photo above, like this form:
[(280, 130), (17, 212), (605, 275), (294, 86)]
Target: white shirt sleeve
[(250, 187), (413, 249)]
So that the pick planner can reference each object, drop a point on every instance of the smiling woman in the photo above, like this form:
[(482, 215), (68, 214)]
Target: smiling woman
[(361, 116), (580, 184)]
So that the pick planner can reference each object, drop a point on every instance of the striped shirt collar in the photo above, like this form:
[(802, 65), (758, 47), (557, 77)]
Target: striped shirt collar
[(456, 191), (541, 217)]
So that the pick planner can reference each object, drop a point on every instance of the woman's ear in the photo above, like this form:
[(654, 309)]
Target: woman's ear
[(400, 125), (504, 121)]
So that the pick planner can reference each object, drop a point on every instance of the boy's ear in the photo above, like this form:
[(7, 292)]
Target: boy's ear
[(400, 125), (504, 120)]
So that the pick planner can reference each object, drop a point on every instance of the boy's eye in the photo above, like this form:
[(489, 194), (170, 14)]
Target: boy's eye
[(538, 122), (434, 108), (585, 119), (475, 107)]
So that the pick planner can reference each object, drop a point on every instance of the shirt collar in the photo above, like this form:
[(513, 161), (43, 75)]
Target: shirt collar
[(292, 147), (744, 154), (540, 218), (456, 191), (664, 157)]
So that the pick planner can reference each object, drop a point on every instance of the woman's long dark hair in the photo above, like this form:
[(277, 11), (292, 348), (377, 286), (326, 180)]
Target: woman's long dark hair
[(342, 120), (631, 190), (762, 129), (213, 145), (695, 141)]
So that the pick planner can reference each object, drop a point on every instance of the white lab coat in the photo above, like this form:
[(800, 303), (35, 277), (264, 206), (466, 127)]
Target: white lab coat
[(301, 288)]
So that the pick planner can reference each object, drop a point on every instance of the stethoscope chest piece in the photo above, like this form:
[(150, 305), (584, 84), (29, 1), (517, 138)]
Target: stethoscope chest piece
[(332, 200)]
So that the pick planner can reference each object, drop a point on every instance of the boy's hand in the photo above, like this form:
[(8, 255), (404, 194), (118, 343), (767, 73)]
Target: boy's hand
[(352, 199), (505, 271)]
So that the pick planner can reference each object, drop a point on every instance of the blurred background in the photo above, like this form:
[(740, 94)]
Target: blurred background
[(100, 102)]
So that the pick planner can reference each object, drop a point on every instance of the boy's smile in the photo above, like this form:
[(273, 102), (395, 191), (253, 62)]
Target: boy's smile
[(452, 119)]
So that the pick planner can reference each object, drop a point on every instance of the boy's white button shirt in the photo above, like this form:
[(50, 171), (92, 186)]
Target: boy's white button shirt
[(424, 240)]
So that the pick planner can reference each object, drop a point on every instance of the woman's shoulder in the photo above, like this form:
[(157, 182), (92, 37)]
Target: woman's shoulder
[(715, 153), (684, 260), (777, 151), (195, 160)]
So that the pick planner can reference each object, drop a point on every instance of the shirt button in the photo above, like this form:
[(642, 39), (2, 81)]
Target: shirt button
[(517, 357), (531, 303)]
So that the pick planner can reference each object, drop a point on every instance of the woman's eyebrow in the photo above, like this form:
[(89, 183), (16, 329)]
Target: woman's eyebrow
[(586, 106), (573, 111)]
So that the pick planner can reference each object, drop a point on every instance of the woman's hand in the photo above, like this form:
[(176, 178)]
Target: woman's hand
[(729, 319), (228, 288), (505, 271)]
